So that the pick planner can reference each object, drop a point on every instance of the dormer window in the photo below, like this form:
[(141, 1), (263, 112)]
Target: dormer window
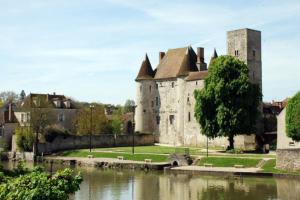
[(57, 103), (67, 104)]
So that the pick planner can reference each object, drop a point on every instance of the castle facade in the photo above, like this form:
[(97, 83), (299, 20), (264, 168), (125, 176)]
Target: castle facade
[(165, 96)]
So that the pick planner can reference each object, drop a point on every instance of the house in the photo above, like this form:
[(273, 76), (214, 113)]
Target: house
[(165, 95), (8, 124)]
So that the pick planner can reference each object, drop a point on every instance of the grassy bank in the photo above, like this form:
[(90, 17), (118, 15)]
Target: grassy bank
[(127, 156), (229, 162)]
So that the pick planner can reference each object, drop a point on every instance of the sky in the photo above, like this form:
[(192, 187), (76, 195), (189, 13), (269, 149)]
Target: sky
[(92, 50)]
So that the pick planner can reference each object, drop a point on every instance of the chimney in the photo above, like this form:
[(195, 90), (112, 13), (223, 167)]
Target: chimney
[(10, 112), (202, 66), (161, 55)]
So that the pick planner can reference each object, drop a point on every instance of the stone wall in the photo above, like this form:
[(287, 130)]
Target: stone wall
[(288, 159), (62, 143)]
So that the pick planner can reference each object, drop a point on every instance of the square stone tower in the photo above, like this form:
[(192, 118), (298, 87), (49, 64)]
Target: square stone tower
[(245, 44)]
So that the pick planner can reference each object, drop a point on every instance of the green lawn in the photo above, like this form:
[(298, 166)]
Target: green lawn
[(270, 165), (127, 156), (229, 162), (170, 150)]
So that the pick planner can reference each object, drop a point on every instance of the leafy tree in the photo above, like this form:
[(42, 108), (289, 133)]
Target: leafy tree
[(293, 117), (1, 103), (128, 107), (24, 138), (37, 184), (117, 121), (8, 96), (228, 103), (99, 120)]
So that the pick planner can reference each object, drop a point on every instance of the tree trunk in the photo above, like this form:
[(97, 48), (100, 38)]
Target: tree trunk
[(231, 142)]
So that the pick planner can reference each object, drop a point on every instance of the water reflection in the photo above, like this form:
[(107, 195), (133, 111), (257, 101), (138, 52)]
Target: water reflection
[(138, 185), (110, 184)]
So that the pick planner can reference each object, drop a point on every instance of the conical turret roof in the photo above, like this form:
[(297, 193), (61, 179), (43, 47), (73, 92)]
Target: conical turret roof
[(214, 56), (146, 71)]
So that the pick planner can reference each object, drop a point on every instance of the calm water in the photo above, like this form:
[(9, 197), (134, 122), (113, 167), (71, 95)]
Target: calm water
[(138, 185)]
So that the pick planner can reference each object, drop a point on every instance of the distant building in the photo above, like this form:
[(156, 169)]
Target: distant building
[(165, 96), (61, 110)]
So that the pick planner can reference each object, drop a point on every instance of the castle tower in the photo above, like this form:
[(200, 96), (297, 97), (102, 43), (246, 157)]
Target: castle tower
[(145, 89), (245, 44)]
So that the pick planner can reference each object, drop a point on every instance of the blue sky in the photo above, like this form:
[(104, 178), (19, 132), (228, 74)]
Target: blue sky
[(91, 50)]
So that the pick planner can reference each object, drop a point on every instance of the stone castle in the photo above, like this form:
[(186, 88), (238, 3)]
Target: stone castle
[(164, 96)]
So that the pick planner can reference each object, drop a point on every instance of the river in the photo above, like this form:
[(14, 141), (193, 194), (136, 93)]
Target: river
[(110, 184)]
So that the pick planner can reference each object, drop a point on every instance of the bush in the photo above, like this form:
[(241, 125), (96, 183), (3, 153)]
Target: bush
[(52, 132), (293, 118), (24, 138)]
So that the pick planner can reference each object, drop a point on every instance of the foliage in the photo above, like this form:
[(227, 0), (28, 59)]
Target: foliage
[(99, 120), (117, 121), (228, 103), (229, 162), (53, 131), (1, 103), (37, 184), (293, 118), (128, 107), (24, 138), (8, 96)]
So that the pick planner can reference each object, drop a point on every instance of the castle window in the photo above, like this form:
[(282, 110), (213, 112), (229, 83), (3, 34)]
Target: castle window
[(157, 120), (150, 88), (140, 88), (61, 117), (156, 101), (236, 52), (152, 103), (189, 116), (171, 118), (172, 84), (196, 82), (144, 111), (253, 53), (188, 100), (156, 86)]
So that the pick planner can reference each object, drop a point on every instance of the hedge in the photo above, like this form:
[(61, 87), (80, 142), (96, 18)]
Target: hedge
[(293, 118)]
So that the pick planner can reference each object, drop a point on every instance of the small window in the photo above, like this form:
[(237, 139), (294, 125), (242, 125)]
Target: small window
[(189, 116), (61, 117), (196, 82), (172, 84), (144, 110), (236, 52), (156, 101), (140, 88), (150, 88), (156, 86), (152, 103), (253, 53), (157, 120), (171, 118), (188, 100), (1, 131)]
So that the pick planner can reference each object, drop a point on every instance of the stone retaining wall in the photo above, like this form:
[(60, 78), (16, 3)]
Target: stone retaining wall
[(62, 143), (288, 159)]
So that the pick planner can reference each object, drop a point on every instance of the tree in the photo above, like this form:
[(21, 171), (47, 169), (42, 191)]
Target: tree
[(99, 120), (8, 96), (228, 103), (117, 121), (24, 138), (128, 107), (37, 184), (293, 118)]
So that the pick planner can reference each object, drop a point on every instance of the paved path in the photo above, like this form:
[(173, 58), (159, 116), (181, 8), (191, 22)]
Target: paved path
[(216, 169)]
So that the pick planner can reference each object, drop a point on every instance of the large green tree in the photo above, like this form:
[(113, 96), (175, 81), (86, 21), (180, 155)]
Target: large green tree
[(94, 115), (228, 103), (293, 117)]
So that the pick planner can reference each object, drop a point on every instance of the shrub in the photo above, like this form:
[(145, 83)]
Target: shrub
[(24, 138), (52, 132), (293, 117)]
